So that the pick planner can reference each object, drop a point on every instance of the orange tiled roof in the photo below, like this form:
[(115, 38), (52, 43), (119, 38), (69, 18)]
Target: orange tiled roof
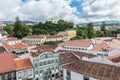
[(7, 45), (7, 62), (102, 46), (34, 36), (82, 43), (115, 58), (30, 44), (23, 64), (11, 39), (54, 36), (14, 46)]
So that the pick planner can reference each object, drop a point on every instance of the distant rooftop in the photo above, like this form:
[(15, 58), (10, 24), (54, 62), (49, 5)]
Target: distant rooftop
[(82, 43), (78, 53), (102, 47)]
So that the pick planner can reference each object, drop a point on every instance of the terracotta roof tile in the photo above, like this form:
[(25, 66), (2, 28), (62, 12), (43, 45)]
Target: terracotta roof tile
[(34, 54), (11, 39), (30, 44), (23, 64), (101, 47), (81, 43), (66, 57), (7, 62), (54, 36), (34, 36), (78, 53), (95, 70), (7, 45), (115, 58), (14, 46)]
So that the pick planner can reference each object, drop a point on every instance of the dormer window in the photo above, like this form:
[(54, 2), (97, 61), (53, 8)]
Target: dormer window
[(106, 49)]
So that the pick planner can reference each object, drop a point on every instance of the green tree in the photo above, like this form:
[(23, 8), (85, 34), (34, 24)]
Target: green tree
[(9, 30), (102, 27), (21, 30), (52, 28), (90, 30), (100, 33), (81, 33), (25, 30), (17, 28)]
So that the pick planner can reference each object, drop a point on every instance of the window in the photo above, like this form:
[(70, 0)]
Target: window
[(82, 48), (100, 55), (36, 65), (57, 75), (68, 75), (19, 75), (49, 71), (67, 47), (56, 67), (53, 68), (79, 48), (12, 74), (40, 63), (24, 74), (41, 71), (52, 61), (36, 72), (44, 63), (6, 76), (85, 78), (106, 54), (30, 72), (0, 77), (53, 75), (48, 61), (56, 60)]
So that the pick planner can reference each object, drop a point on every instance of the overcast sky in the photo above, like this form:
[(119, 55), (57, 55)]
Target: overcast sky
[(70, 10)]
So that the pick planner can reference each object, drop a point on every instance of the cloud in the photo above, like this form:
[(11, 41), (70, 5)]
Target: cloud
[(47, 9), (42, 10), (38, 10), (7, 9), (100, 10), (87, 2)]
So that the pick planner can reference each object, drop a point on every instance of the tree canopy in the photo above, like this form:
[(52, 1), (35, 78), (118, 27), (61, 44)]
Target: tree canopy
[(18, 30), (52, 28)]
